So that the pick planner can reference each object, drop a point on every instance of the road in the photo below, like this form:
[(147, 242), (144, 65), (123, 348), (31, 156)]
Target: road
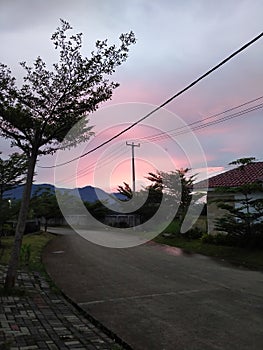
[(155, 297)]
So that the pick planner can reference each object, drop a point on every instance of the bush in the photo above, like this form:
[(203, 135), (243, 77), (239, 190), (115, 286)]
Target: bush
[(25, 254), (221, 239), (194, 233), (228, 240), (253, 241), (206, 238), (8, 230), (173, 227)]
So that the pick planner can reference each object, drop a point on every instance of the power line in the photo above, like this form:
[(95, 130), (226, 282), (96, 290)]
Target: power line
[(232, 116), (200, 120), (91, 167), (164, 135), (161, 136), (164, 103)]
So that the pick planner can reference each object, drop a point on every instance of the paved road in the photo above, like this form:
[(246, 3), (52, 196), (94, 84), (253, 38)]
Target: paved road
[(155, 298)]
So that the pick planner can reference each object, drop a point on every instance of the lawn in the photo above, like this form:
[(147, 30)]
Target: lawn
[(239, 256), (31, 250)]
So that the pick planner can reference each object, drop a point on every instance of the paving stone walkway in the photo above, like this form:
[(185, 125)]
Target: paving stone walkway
[(43, 319)]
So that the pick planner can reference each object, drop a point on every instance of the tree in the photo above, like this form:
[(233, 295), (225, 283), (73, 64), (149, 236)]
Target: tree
[(97, 209), (38, 116), (245, 213), (12, 171), (150, 205), (125, 190), (45, 205), (176, 184)]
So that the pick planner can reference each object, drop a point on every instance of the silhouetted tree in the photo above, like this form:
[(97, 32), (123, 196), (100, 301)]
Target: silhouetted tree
[(38, 116), (12, 172), (125, 190), (98, 210), (44, 205), (244, 215), (176, 184)]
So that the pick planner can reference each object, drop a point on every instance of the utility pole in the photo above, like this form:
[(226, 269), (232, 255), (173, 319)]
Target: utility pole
[(133, 163)]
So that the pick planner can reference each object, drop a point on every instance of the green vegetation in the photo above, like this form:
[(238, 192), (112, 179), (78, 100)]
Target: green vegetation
[(240, 237), (30, 258), (251, 258), (32, 246), (174, 227), (39, 116), (44, 204)]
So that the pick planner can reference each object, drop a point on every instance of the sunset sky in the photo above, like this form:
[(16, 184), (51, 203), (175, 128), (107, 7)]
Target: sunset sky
[(177, 41)]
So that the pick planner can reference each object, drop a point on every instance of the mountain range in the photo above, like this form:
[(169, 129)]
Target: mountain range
[(88, 193)]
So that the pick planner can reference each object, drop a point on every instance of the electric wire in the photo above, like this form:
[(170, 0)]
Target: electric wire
[(224, 61), (90, 169), (174, 132), (116, 154), (201, 120)]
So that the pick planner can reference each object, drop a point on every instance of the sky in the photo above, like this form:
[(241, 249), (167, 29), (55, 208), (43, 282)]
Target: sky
[(177, 41)]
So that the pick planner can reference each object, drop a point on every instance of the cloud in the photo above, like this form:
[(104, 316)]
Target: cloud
[(177, 41)]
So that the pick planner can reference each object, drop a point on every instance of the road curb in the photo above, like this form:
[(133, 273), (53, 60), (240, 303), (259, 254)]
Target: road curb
[(89, 317), (97, 323)]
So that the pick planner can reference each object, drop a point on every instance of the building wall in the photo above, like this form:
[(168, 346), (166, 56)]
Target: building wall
[(201, 223), (129, 219)]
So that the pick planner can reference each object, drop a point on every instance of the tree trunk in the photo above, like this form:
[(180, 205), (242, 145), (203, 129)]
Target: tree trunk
[(21, 224)]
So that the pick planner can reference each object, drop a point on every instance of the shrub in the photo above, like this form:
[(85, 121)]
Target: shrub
[(194, 233), (173, 227), (221, 239), (25, 253), (206, 238), (8, 230), (254, 240), (228, 240)]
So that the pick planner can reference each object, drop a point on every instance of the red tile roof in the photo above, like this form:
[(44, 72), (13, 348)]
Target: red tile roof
[(242, 175)]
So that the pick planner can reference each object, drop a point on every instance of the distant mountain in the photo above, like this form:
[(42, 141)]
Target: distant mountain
[(87, 194)]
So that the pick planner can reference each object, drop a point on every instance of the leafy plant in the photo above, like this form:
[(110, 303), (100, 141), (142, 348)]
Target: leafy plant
[(25, 253), (38, 116), (245, 211), (220, 239), (194, 233)]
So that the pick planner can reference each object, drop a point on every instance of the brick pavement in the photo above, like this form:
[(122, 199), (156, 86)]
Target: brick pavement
[(43, 319)]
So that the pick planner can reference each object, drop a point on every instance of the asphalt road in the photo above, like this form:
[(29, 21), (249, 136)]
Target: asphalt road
[(156, 298)]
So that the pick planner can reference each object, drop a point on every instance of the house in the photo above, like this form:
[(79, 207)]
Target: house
[(232, 179)]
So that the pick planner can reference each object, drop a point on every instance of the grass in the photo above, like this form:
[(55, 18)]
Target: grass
[(32, 246), (238, 256), (30, 258)]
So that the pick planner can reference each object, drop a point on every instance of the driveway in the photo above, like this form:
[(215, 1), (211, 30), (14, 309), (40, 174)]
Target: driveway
[(156, 298)]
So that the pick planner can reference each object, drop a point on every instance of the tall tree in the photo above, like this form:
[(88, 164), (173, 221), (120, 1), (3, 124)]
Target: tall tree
[(97, 209), (38, 116), (45, 205), (177, 184), (125, 190), (12, 172), (244, 213)]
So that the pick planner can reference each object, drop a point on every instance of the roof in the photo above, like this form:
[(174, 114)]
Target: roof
[(245, 174)]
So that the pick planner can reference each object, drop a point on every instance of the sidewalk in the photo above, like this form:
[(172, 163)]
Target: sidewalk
[(43, 319)]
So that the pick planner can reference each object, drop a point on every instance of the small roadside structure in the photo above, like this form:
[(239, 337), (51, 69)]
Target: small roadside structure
[(231, 181), (122, 220)]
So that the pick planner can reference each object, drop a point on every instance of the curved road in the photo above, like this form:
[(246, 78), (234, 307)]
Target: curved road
[(156, 298)]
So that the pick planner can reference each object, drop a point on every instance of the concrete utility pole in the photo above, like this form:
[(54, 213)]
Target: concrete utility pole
[(133, 163)]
